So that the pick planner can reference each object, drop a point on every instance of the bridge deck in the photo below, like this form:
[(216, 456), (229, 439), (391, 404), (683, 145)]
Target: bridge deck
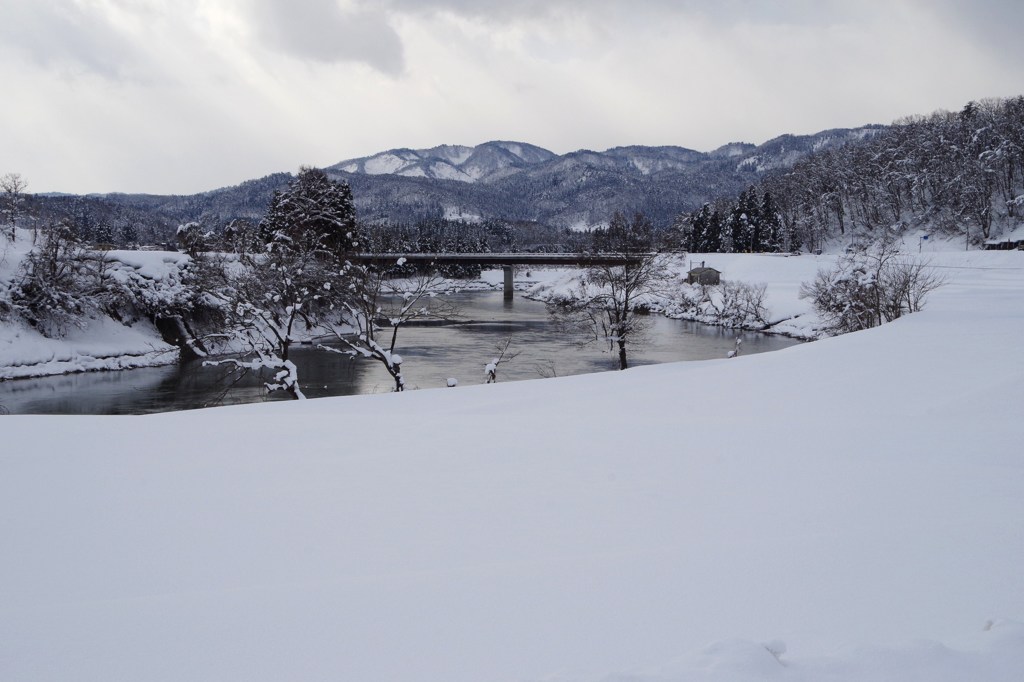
[(576, 259)]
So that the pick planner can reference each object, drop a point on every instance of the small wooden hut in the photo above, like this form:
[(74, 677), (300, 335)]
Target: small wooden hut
[(703, 275)]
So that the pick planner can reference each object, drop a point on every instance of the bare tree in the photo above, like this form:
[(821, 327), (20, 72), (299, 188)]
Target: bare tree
[(378, 306), (12, 200), (609, 302), (735, 304), (491, 369), (275, 299)]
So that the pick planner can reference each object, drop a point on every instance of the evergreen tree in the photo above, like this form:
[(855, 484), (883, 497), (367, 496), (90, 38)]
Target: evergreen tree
[(298, 284), (314, 210), (744, 222), (699, 228), (707, 230), (625, 236), (770, 225)]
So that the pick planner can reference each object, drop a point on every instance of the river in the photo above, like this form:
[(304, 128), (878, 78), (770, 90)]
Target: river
[(432, 354)]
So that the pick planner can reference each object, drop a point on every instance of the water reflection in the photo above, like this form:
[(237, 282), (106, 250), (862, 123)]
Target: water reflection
[(432, 354)]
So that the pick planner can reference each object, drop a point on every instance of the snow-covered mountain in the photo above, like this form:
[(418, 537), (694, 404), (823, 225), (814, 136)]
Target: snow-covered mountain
[(581, 189), (499, 159), (506, 180), (450, 162), (786, 150)]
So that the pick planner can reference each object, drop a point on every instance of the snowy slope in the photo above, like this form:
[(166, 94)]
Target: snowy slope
[(853, 505), (449, 162)]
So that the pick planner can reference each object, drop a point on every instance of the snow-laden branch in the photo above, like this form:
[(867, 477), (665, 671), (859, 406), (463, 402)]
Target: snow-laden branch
[(286, 377)]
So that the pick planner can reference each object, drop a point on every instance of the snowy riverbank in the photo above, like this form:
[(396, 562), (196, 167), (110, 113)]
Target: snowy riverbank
[(101, 343), (847, 510), (96, 342)]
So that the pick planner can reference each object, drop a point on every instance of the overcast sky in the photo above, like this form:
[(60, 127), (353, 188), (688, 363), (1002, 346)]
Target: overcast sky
[(180, 96)]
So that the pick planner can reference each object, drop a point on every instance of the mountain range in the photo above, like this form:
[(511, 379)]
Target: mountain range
[(504, 180), (581, 189)]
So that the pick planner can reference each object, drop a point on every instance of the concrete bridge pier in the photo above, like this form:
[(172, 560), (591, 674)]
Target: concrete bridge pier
[(508, 281)]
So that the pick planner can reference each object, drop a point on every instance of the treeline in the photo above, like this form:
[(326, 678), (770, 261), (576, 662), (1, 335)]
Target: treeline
[(440, 236), (956, 173), (753, 224), (134, 220)]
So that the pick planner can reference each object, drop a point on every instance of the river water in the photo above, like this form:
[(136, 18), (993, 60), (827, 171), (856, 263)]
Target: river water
[(431, 355)]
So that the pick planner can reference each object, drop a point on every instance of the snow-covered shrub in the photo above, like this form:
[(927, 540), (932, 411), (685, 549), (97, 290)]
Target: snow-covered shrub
[(843, 298), (52, 291), (869, 287), (191, 238), (129, 288), (739, 304), (240, 236), (733, 304)]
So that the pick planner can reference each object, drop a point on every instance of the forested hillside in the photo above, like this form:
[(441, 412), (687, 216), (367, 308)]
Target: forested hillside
[(538, 194), (957, 174), (579, 190), (129, 219)]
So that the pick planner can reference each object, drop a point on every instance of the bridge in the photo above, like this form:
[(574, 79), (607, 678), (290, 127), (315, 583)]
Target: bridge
[(505, 260)]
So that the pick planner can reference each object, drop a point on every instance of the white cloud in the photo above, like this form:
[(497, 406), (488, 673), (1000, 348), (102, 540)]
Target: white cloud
[(324, 30), (187, 95)]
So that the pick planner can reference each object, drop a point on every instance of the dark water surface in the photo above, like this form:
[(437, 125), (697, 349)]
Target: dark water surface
[(431, 355)]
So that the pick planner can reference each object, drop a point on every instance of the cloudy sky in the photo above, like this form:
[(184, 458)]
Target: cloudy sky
[(179, 96)]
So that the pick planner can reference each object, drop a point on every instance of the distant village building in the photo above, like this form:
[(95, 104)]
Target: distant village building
[(703, 275), (1013, 240), (1004, 244)]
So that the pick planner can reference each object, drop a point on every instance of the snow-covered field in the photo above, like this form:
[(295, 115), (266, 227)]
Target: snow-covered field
[(846, 510)]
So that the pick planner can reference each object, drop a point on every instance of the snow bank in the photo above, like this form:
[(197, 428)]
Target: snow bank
[(103, 344), (845, 510), (100, 343)]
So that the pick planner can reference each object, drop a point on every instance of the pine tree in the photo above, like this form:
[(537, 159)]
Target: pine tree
[(625, 236), (315, 210), (744, 221), (715, 240), (699, 228), (771, 225), (706, 236)]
